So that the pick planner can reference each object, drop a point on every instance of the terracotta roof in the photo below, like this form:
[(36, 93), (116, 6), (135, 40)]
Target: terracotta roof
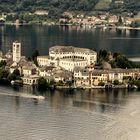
[(72, 49)]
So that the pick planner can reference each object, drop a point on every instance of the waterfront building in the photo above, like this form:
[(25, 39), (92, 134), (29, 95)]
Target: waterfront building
[(82, 76), (68, 57), (62, 75), (99, 76), (30, 80), (16, 51)]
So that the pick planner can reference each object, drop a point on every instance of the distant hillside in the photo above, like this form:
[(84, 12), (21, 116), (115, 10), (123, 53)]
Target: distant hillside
[(59, 6), (31, 5)]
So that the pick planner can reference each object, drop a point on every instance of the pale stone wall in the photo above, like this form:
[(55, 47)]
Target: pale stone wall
[(16, 51)]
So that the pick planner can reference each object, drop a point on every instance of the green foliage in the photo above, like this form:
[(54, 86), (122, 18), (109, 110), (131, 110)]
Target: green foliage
[(123, 62), (103, 53), (116, 82), (14, 76), (60, 83), (16, 72), (120, 61), (35, 54), (34, 57), (4, 74), (35, 61), (102, 5), (69, 83), (57, 7), (135, 24), (102, 56), (42, 84), (2, 63), (120, 22), (134, 82), (52, 82), (101, 83)]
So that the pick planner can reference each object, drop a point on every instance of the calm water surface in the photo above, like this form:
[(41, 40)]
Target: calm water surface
[(43, 37), (70, 115)]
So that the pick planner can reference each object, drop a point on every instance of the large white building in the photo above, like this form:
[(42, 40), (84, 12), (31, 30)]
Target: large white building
[(68, 57), (70, 52), (16, 51)]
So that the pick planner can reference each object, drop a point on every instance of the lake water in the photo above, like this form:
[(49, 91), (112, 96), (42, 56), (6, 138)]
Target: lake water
[(70, 115), (43, 37)]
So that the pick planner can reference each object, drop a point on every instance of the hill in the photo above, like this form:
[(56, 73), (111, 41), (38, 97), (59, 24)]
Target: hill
[(62, 5), (59, 6)]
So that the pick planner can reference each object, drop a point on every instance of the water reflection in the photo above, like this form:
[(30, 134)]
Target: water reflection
[(70, 114), (43, 37)]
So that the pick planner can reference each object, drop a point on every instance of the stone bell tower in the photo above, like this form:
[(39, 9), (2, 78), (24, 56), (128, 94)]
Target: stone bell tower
[(16, 51)]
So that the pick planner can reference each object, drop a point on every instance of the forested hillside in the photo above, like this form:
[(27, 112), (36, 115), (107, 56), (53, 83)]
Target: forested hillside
[(60, 6)]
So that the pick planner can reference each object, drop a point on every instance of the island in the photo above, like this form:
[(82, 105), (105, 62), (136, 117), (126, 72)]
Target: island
[(68, 67)]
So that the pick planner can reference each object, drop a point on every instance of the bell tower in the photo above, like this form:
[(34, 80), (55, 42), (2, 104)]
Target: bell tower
[(16, 51)]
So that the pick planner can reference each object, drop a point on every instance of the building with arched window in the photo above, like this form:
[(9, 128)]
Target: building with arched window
[(69, 57)]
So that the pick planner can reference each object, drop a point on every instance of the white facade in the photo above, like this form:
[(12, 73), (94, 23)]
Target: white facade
[(43, 60), (82, 76), (32, 80), (69, 64), (27, 71), (69, 57), (16, 51)]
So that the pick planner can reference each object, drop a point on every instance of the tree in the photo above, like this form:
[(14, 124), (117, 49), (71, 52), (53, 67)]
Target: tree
[(52, 82), (121, 61), (16, 72), (42, 84), (120, 22), (101, 83), (60, 83), (2, 63), (3, 73), (34, 57), (35, 54), (69, 83), (135, 24), (103, 53), (14, 76), (35, 62), (116, 82)]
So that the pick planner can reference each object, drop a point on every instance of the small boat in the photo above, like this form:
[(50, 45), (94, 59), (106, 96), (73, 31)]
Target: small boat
[(40, 97), (12, 82), (134, 86)]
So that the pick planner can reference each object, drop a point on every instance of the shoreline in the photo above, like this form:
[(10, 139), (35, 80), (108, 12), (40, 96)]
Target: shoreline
[(71, 25), (79, 88)]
